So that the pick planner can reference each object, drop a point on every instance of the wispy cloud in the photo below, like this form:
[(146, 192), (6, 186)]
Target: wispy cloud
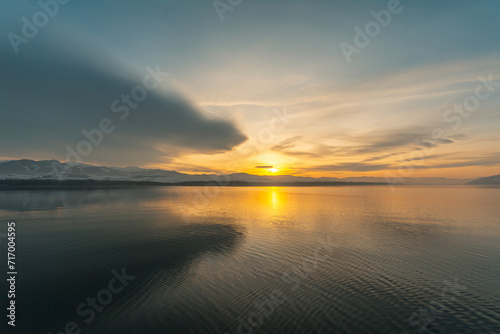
[(351, 167)]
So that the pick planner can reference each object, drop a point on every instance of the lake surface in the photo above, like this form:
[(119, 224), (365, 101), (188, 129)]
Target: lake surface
[(255, 260)]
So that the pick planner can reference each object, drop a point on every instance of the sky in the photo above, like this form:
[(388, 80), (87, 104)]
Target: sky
[(308, 88)]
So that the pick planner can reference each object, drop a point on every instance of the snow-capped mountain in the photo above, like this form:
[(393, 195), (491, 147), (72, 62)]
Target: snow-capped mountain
[(53, 169)]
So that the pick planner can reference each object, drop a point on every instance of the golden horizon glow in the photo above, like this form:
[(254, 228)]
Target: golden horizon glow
[(345, 136)]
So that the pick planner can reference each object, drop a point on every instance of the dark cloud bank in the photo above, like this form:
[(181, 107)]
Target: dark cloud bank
[(50, 97)]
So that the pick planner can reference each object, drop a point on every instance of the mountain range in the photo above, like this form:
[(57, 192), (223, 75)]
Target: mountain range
[(54, 170)]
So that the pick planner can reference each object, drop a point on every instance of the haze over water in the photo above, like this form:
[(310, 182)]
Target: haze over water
[(387, 254)]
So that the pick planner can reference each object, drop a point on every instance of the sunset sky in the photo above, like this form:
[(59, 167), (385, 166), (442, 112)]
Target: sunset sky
[(263, 87)]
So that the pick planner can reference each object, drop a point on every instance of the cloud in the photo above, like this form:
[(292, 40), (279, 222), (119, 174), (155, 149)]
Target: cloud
[(370, 143), (317, 151), (494, 160), (364, 167), (459, 136), (381, 157), (264, 167), (287, 143), (374, 143), (351, 167), (50, 98), (426, 157)]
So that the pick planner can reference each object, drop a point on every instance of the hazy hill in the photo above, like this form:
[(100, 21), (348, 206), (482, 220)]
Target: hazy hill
[(491, 180)]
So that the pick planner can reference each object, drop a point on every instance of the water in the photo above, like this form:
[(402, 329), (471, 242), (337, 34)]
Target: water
[(256, 260)]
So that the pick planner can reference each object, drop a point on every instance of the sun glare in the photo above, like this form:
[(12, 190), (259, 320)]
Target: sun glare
[(273, 170)]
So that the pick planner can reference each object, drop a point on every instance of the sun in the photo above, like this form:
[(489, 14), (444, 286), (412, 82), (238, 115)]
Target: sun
[(273, 170)]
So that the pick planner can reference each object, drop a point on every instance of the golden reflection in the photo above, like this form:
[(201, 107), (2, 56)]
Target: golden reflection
[(264, 206), (274, 198)]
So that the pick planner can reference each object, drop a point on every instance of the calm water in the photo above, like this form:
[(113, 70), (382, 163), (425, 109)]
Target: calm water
[(257, 260)]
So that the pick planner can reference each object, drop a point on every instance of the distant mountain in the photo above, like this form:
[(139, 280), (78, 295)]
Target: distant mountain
[(491, 180), (54, 170)]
